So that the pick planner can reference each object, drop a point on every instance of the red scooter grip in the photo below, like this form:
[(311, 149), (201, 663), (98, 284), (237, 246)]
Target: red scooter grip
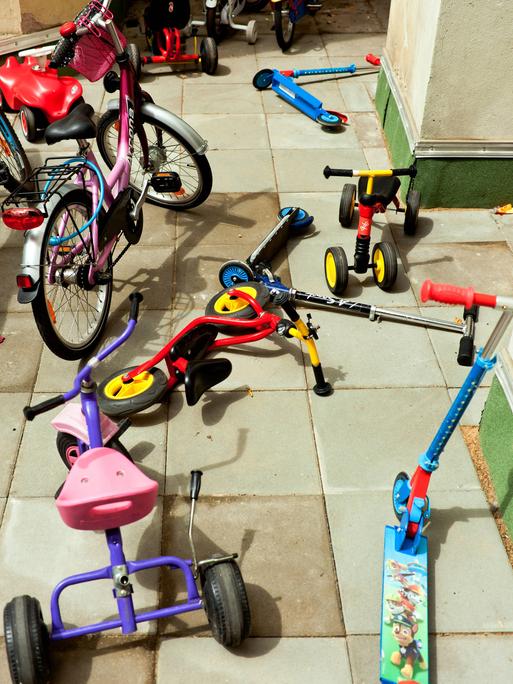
[(373, 59), (451, 294)]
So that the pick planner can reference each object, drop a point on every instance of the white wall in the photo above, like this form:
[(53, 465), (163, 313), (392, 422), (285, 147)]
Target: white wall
[(410, 42), (10, 16)]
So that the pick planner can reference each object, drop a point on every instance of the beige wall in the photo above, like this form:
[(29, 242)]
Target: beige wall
[(10, 17), (26, 16), (453, 60)]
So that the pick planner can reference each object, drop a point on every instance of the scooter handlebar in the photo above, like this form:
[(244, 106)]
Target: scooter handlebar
[(452, 294)]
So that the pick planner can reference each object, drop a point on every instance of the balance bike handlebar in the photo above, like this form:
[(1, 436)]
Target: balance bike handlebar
[(452, 294), (30, 412), (409, 171)]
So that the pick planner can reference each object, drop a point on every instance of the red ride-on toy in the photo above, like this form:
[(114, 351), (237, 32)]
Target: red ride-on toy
[(36, 91), (164, 22), (377, 189)]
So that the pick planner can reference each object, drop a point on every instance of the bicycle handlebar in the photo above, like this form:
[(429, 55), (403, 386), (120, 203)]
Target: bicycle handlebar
[(30, 412), (135, 299), (409, 171)]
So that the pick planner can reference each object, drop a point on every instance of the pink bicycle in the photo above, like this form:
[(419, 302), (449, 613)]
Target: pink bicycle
[(75, 218)]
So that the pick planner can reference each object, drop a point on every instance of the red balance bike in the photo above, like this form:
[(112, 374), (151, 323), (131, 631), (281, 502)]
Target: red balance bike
[(135, 389), (376, 190)]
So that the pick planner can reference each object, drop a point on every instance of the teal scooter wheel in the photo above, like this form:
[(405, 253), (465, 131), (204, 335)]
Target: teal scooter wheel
[(330, 119), (302, 220), (263, 79), (233, 272)]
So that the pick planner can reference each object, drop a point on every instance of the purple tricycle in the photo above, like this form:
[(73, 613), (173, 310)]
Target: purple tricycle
[(105, 490)]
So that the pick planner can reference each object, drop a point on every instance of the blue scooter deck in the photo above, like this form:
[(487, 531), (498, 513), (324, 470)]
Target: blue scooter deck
[(404, 614)]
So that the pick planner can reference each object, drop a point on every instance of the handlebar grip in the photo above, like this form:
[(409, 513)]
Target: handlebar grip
[(195, 484), (451, 294), (30, 412), (466, 351), (135, 299), (410, 171), (328, 171), (373, 59), (63, 53)]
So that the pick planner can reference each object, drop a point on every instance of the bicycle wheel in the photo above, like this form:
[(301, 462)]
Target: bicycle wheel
[(12, 155), (284, 27), (178, 157), (70, 312), (255, 5)]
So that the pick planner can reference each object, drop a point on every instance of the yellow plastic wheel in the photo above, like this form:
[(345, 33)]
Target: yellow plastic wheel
[(119, 399), (384, 265), (336, 270), (229, 306)]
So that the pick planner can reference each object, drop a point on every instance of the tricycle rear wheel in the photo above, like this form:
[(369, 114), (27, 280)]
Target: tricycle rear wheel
[(119, 400), (384, 265), (347, 202), (26, 641)]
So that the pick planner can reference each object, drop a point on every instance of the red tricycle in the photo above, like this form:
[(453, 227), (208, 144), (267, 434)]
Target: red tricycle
[(376, 190), (37, 91), (164, 22)]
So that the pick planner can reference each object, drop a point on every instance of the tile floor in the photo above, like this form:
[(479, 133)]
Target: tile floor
[(298, 485)]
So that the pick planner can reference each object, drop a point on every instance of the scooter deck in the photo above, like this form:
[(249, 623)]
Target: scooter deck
[(404, 614)]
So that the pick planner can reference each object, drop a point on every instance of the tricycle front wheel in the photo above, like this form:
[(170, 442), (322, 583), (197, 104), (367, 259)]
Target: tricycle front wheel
[(336, 270), (26, 641), (226, 603)]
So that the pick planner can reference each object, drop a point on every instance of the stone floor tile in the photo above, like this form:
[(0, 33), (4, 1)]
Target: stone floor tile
[(21, 351), (243, 132), (288, 131), (353, 44), (368, 130), (258, 660), (452, 262), (383, 431), (377, 158), (239, 442), (213, 98), (151, 273), (458, 659), (37, 550), (469, 595), (356, 97), (266, 532), (446, 345), (12, 424), (283, 62), (159, 227), (3, 503), (175, 77), (356, 353), (238, 68), (242, 171), (306, 45), (349, 19), (153, 330), (228, 219), (464, 225), (505, 224), (294, 168)]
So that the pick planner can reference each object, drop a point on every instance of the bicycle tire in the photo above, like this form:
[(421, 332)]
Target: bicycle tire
[(255, 5), (107, 144), (43, 307), (283, 37), (13, 155)]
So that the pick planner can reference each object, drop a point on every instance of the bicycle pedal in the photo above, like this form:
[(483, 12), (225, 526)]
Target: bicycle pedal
[(167, 181)]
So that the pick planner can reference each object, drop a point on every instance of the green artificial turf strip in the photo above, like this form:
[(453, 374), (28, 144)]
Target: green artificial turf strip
[(496, 436)]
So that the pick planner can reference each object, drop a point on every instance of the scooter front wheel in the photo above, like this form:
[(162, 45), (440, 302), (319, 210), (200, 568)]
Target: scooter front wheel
[(302, 221), (233, 272), (263, 79), (119, 400), (399, 497)]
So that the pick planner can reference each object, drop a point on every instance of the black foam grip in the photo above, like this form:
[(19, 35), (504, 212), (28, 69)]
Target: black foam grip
[(135, 299), (410, 171), (466, 351), (31, 412), (195, 483), (63, 53), (328, 171)]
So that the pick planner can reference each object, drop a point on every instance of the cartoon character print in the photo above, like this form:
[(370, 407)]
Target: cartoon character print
[(404, 628), (397, 605)]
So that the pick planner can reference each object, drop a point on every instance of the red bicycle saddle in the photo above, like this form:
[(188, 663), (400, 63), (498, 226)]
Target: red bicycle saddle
[(105, 490)]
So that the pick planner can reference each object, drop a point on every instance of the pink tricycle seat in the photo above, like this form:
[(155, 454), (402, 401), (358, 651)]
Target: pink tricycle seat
[(104, 489)]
